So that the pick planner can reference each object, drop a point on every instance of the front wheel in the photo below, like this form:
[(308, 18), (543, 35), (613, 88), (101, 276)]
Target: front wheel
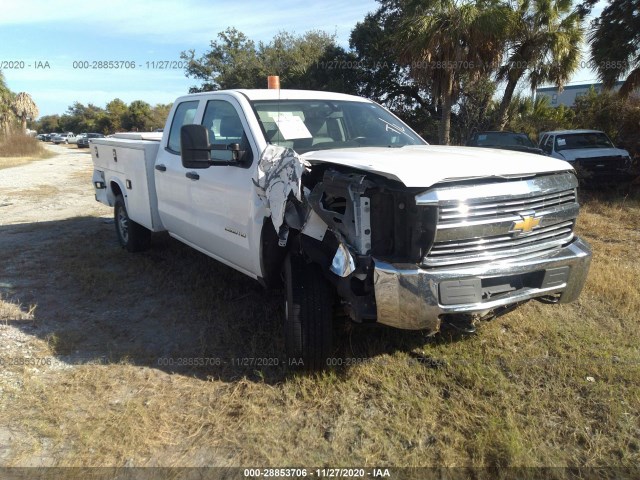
[(308, 314), (132, 236)]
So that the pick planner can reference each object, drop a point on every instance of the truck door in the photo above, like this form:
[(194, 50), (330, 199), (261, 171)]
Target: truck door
[(171, 184), (223, 197)]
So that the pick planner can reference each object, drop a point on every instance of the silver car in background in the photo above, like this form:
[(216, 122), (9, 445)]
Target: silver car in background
[(591, 153), (83, 142)]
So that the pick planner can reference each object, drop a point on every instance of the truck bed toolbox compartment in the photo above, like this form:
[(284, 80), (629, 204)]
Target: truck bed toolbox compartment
[(129, 163)]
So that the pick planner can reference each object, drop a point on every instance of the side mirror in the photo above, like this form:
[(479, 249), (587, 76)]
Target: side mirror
[(196, 149), (194, 145)]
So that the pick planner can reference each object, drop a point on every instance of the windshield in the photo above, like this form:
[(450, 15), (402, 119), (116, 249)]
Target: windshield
[(575, 141), (498, 139), (307, 125)]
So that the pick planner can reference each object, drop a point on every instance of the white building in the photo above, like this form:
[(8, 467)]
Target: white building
[(569, 93)]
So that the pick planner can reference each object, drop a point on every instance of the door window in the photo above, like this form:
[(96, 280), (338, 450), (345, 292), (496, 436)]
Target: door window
[(225, 127), (185, 113)]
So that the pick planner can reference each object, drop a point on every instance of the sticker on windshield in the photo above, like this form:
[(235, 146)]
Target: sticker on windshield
[(562, 142)]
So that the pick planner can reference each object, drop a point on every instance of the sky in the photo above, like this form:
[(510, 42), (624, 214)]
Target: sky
[(49, 42), (46, 46)]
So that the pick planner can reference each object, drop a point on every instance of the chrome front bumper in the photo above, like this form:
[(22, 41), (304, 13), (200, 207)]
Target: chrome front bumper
[(409, 297)]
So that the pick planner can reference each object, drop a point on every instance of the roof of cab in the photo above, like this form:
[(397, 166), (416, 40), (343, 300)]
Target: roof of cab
[(284, 94), (569, 132)]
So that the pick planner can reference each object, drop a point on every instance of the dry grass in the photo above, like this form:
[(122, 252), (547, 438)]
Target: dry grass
[(11, 312), (9, 162), (16, 150), (542, 386)]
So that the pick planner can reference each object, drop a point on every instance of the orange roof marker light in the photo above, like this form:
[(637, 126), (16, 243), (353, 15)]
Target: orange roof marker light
[(273, 82)]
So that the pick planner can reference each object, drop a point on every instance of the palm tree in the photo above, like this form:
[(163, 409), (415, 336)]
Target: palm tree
[(25, 107), (615, 45), (3, 84), (533, 116), (6, 100), (544, 46), (441, 40)]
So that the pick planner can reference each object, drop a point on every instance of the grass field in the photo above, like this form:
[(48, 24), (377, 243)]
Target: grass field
[(546, 385), (18, 150)]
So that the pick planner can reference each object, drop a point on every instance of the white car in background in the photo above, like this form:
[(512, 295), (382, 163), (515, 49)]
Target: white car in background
[(590, 152), (74, 140), (62, 138)]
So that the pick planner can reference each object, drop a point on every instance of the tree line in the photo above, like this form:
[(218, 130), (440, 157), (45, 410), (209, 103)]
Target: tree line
[(437, 63), (117, 116), (19, 110)]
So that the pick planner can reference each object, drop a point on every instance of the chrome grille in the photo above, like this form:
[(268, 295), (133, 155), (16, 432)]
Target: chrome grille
[(492, 209), (482, 223), (603, 164), (500, 247)]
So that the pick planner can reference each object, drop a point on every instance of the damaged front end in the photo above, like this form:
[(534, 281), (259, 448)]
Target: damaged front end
[(341, 220), (411, 258)]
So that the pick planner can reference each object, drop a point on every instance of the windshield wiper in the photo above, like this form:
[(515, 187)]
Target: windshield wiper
[(393, 127)]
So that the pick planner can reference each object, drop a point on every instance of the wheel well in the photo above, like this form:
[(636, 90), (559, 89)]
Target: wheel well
[(115, 188)]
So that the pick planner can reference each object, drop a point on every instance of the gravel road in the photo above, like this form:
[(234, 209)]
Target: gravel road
[(47, 190)]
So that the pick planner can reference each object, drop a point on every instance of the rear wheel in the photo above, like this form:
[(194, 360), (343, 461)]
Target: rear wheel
[(308, 314), (132, 236)]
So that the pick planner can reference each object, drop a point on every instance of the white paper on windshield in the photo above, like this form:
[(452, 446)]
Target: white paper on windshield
[(562, 142), (272, 116), (292, 127)]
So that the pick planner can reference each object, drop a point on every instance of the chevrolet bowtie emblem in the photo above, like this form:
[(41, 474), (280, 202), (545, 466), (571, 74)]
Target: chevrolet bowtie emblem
[(526, 224)]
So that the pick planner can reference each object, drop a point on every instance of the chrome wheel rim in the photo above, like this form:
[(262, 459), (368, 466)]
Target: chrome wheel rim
[(123, 225)]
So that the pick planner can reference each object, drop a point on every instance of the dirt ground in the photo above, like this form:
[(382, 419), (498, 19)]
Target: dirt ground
[(65, 180), (71, 297)]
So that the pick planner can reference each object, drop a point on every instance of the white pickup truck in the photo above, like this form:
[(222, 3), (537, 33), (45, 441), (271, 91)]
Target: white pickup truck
[(342, 202)]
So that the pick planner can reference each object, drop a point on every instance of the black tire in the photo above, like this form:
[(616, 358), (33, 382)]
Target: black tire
[(308, 324), (132, 236)]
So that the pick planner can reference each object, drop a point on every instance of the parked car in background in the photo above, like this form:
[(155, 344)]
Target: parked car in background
[(590, 152), (504, 140), (83, 142), (42, 137), (62, 137), (74, 140)]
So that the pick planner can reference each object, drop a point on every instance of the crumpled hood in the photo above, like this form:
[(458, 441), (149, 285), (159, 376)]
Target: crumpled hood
[(592, 153), (426, 165)]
